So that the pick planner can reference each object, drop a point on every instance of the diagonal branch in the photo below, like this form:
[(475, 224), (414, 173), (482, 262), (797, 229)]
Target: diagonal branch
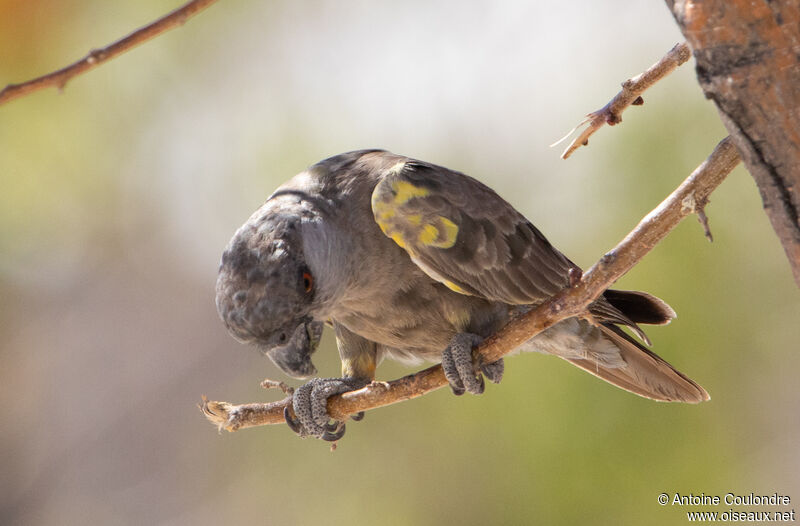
[(630, 94), (96, 57), (689, 197)]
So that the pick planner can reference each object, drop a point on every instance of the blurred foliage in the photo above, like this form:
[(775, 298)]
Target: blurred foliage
[(119, 194)]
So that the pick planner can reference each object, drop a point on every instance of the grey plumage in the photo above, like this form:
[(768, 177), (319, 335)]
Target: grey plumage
[(403, 257)]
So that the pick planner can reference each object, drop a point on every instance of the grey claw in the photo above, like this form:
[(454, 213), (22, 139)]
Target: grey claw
[(461, 368), (334, 434), (310, 407), (358, 416), (293, 423), (332, 427), (494, 371), (481, 386), (458, 391)]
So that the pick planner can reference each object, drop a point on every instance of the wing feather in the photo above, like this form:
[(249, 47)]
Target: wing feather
[(462, 233)]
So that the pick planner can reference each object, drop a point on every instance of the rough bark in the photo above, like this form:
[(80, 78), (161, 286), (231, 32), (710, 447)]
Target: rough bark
[(748, 63)]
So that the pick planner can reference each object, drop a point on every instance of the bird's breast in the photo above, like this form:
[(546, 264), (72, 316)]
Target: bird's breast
[(419, 316)]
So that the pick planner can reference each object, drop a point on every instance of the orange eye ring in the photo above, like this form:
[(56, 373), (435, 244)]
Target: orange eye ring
[(308, 281)]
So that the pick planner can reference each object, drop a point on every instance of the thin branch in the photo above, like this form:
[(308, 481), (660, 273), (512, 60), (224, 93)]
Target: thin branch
[(630, 94), (96, 57), (272, 384), (570, 302)]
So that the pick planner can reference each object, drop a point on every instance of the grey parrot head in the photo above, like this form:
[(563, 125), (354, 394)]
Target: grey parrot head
[(265, 292)]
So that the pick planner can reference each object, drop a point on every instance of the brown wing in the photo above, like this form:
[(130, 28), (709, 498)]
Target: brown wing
[(461, 233)]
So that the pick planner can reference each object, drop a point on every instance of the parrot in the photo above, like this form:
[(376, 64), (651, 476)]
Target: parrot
[(411, 261)]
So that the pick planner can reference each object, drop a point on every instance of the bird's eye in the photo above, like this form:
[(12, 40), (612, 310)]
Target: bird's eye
[(308, 281)]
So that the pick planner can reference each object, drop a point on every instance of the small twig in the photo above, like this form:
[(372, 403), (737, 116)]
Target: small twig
[(630, 94), (701, 216), (96, 57), (698, 206), (271, 384), (571, 301)]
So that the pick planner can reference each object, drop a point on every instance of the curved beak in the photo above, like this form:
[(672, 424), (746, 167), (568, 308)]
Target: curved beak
[(294, 357)]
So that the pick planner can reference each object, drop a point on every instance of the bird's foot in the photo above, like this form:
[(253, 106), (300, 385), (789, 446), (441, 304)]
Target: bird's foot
[(310, 407), (463, 371)]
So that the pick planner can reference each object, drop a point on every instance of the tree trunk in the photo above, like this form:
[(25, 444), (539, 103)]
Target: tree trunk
[(748, 63)]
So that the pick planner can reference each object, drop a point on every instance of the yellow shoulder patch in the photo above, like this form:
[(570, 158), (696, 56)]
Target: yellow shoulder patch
[(398, 238), (441, 233), (410, 231), (428, 234), (450, 233), (403, 191)]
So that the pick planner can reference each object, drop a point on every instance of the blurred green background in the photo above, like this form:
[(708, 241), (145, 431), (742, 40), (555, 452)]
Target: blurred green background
[(118, 195)]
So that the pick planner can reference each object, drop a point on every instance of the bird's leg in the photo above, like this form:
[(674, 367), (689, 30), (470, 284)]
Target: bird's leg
[(310, 400), (310, 407), (463, 370)]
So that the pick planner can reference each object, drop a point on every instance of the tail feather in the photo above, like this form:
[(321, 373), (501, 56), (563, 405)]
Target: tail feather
[(640, 307), (598, 346), (644, 373), (629, 308)]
